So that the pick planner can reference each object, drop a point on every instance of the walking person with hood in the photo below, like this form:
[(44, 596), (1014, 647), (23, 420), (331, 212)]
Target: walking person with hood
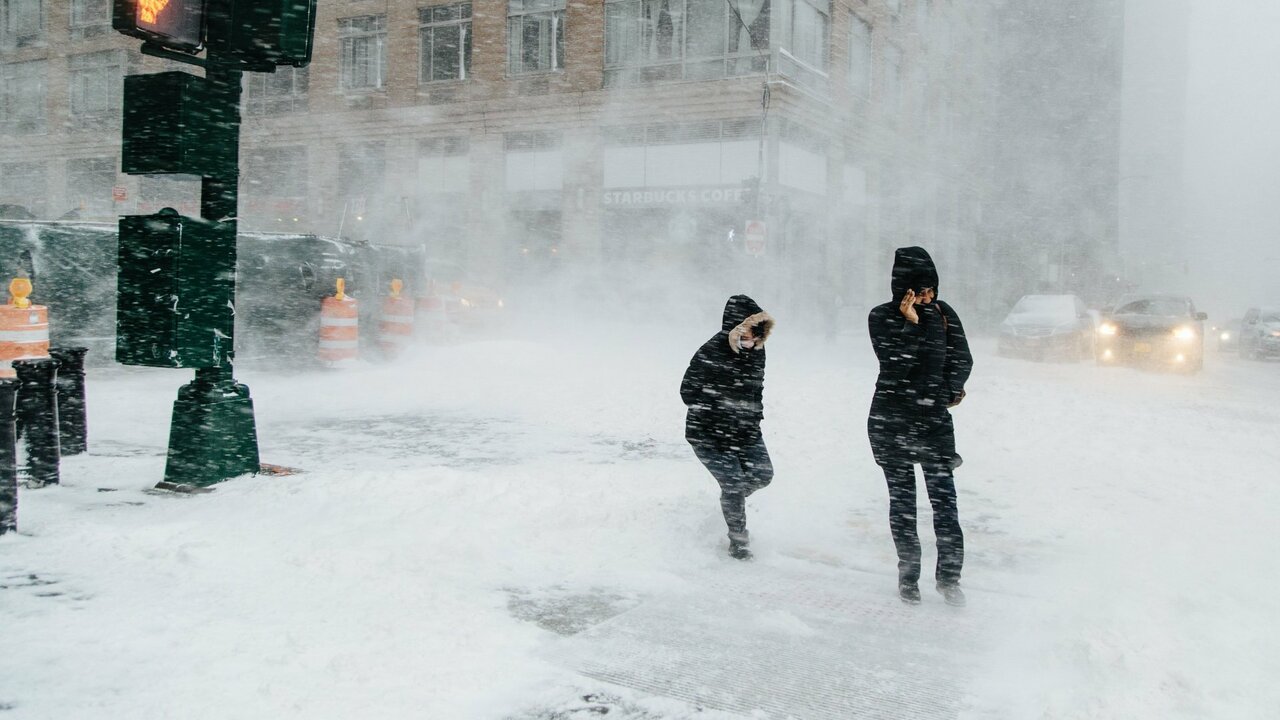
[(924, 364), (723, 389)]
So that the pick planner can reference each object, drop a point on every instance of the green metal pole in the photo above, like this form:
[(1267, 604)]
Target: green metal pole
[(213, 435)]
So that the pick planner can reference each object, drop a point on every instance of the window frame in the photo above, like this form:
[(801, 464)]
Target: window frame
[(9, 37), (257, 98), (348, 34), (13, 122), (465, 41), (93, 205), (31, 177), (653, 70), (556, 11), (789, 47), (113, 85), (101, 21), (862, 88)]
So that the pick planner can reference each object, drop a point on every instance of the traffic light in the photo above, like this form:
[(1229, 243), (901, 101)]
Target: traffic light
[(171, 24), (267, 33), (257, 34)]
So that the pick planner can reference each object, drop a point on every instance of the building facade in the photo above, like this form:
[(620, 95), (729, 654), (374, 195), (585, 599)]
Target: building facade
[(517, 138)]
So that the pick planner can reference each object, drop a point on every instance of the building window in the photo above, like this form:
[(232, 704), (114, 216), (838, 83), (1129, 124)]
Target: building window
[(278, 172), (90, 13), (364, 52), (444, 39), (443, 165), (361, 169), (282, 91), (22, 97), (806, 34), (23, 183), (859, 57), (97, 81), (654, 40), (535, 36), (89, 184), (21, 22)]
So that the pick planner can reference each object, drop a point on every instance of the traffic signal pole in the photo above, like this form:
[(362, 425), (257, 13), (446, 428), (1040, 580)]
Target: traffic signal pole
[(213, 434), (175, 303)]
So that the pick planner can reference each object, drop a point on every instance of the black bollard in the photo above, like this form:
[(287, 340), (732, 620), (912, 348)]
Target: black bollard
[(8, 457), (38, 417), (73, 426)]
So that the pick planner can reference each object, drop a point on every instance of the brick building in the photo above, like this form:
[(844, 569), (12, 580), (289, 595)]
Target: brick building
[(518, 136)]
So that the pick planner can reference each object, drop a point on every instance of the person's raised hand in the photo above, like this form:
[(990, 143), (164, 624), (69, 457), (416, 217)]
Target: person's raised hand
[(908, 308)]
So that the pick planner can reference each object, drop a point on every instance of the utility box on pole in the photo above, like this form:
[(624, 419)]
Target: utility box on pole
[(174, 292)]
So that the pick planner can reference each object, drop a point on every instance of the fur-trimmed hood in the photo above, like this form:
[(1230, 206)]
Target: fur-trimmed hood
[(740, 313)]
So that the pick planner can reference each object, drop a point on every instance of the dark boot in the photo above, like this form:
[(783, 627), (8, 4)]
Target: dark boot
[(952, 593), (738, 545), (909, 592)]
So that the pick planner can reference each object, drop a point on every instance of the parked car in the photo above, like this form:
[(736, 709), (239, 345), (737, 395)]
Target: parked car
[(1048, 326), (1260, 334), (1153, 331)]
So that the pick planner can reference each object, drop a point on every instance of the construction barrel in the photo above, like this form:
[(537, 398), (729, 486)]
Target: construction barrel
[(24, 328), (339, 329)]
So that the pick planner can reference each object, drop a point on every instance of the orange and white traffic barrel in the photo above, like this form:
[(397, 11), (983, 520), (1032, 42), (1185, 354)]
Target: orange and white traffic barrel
[(24, 328), (395, 326), (339, 328)]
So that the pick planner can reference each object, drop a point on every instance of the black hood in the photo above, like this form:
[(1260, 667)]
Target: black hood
[(739, 308), (913, 269)]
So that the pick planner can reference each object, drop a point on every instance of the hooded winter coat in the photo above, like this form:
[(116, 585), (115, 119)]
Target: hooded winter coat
[(923, 369), (724, 384)]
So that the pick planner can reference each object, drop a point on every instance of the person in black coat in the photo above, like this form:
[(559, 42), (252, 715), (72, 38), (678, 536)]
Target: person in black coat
[(924, 364), (723, 389)]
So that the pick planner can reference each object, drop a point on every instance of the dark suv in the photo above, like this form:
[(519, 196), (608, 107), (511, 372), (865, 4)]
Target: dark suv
[(1153, 331), (1260, 334)]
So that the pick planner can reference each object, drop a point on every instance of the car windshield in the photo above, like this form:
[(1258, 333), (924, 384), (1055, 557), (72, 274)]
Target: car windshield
[(1049, 305), (1167, 307)]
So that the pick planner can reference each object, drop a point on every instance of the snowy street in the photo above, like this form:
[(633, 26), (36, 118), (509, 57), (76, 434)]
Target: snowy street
[(517, 530)]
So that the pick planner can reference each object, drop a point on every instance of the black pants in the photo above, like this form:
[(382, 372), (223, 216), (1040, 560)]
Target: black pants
[(941, 487), (740, 470)]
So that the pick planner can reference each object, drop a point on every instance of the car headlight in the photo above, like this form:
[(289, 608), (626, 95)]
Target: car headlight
[(1225, 336), (1185, 333), (1107, 329), (1275, 333), (465, 302)]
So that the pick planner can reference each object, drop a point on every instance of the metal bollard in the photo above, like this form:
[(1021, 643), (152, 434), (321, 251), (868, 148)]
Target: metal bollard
[(73, 427), (8, 457), (38, 417)]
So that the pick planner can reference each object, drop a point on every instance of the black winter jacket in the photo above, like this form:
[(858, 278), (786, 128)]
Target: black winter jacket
[(923, 369), (724, 385)]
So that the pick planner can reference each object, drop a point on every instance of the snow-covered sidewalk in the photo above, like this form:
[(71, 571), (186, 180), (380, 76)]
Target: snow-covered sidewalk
[(517, 530)]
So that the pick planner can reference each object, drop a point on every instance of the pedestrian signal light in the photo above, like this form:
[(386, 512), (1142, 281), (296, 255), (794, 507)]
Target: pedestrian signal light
[(172, 24), (265, 34)]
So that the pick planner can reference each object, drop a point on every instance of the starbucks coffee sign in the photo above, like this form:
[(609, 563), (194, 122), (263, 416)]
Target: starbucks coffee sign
[(671, 197)]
